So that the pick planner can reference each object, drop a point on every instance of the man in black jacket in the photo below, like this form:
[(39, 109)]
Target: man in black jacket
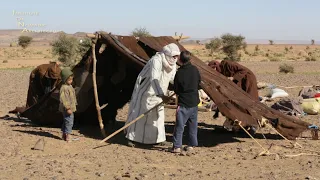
[(186, 85)]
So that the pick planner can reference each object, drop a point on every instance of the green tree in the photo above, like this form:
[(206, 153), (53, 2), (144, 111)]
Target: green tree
[(141, 32), (271, 42), (66, 48), (214, 45), (231, 44), (24, 41)]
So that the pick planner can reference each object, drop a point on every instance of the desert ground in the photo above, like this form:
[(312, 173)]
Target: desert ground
[(220, 155)]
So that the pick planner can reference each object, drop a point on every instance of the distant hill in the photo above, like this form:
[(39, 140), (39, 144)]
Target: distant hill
[(11, 35), (253, 41)]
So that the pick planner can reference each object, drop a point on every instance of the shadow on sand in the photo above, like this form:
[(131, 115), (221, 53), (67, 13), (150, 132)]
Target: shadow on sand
[(208, 135)]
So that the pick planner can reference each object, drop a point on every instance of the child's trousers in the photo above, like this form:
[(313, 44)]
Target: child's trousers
[(67, 123), (185, 116)]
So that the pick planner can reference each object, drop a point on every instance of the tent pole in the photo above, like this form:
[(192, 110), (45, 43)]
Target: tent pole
[(94, 78)]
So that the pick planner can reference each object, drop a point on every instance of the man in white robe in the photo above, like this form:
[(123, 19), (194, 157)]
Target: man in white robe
[(149, 90)]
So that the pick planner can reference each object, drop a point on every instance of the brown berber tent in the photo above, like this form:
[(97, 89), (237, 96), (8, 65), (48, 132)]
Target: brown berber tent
[(119, 61)]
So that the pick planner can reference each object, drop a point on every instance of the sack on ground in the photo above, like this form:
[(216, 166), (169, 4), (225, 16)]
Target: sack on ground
[(311, 106), (277, 93)]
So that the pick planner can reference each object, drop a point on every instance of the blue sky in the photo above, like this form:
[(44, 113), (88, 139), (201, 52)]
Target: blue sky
[(255, 19)]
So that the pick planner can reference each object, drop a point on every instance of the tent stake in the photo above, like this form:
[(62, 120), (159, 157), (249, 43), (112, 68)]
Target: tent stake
[(94, 78)]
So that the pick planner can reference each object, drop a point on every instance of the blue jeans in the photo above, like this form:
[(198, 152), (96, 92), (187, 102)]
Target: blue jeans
[(185, 116), (67, 123)]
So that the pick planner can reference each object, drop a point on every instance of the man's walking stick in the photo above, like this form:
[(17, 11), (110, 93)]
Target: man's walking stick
[(135, 120)]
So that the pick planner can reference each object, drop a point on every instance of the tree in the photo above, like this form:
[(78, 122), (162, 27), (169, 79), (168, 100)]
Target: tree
[(271, 42), (312, 41), (66, 48), (24, 41), (231, 44), (140, 32), (214, 45), (84, 46)]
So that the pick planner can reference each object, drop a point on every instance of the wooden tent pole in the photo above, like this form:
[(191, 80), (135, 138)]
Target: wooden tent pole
[(94, 78)]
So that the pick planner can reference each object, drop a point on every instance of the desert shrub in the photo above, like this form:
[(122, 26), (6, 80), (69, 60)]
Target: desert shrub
[(307, 48), (278, 54), (231, 44), (274, 58), (256, 48), (285, 68), (311, 58), (286, 49), (5, 61), (140, 32), (198, 42), (214, 45), (312, 41), (271, 42), (267, 54), (38, 52), (24, 41), (13, 44), (291, 47)]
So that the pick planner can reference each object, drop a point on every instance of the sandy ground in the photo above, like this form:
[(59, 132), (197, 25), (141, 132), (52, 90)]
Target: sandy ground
[(220, 155)]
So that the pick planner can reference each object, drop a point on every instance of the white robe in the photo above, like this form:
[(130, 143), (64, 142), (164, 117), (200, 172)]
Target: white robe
[(150, 129)]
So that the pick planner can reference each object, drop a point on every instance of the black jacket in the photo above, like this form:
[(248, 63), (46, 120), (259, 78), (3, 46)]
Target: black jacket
[(186, 85)]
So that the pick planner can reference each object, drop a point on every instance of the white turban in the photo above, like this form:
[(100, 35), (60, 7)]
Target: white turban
[(168, 60), (171, 50)]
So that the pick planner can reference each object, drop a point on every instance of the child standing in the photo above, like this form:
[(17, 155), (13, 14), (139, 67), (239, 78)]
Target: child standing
[(68, 102), (186, 85)]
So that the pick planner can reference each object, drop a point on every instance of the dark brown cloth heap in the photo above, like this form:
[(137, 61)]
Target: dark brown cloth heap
[(42, 80), (242, 76)]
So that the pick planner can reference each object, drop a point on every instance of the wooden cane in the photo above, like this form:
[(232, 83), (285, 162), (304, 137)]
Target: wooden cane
[(135, 120)]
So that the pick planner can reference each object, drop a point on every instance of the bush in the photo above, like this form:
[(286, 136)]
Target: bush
[(274, 58), (140, 32), (84, 46), (231, 44), (286, 49), (311, 58), (291, 47), (256, 48), (5, 61), (312, 41), (24, 41), (13, 44), (214, 45), (66, 48), (285, 68)]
